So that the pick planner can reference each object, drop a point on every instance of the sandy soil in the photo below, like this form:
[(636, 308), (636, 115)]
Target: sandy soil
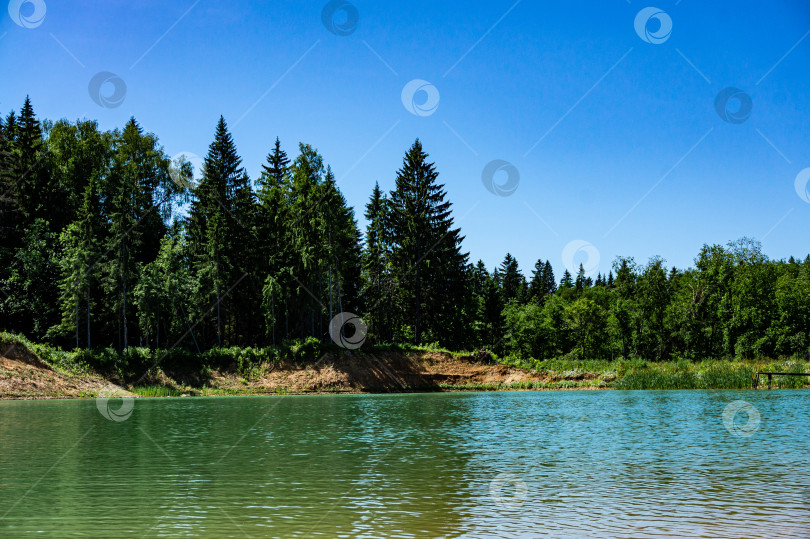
[(24, 376), (358, 372)]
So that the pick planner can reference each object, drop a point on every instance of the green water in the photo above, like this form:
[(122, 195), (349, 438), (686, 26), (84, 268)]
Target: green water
[(586, 464)]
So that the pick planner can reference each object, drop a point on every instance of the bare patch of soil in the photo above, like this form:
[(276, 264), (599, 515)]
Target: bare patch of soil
[(24, 376)]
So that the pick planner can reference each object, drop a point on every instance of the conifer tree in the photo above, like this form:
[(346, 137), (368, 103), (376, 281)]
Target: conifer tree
[(512, 280), (428, 263), (550, 285), (30, 174), (376, 264), (542, 284), (566, 282), (139, 170), (212, 229), (272, 226)]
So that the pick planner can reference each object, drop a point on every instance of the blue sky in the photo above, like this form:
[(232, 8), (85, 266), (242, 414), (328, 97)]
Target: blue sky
[(617, 141)]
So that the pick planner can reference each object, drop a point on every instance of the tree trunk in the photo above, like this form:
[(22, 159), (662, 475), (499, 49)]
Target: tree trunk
[(124, 291), (87, 297), (76, 316), (219, 314)]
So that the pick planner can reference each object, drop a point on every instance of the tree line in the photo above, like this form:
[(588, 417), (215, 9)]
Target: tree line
[(107, 243)]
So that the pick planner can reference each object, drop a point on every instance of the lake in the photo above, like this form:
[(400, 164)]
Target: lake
[(566, 463)]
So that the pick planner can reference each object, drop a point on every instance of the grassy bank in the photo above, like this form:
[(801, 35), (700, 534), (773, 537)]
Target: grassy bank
[(313, 367), (681, 374)]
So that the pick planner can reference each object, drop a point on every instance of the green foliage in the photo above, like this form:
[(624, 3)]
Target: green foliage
[(155, 391), (96, 253), (429, 268)]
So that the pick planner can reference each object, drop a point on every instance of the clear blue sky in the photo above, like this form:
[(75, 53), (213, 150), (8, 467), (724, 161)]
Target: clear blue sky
[(591, 115)]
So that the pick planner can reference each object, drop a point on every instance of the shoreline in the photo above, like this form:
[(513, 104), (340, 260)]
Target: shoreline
[(27, 375), (309, 394)]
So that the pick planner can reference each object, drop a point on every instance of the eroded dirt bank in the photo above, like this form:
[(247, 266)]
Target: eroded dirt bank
[(24, 376)]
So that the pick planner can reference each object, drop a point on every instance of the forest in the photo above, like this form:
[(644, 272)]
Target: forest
[(105, 243)]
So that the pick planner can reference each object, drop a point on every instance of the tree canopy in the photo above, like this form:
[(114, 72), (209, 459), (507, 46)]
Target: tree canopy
[(93, 253)]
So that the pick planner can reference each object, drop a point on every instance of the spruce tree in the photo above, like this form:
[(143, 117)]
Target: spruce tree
[(550, 284), (139, 171), (376, 263), (428, 263), (566, 282), (212, 229), (80, 269), (30, 173), (537, 286), (275, 171), (272, 226), (512, 280)]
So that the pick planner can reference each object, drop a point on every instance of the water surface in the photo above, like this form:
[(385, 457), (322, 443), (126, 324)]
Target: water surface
[(584, 463)]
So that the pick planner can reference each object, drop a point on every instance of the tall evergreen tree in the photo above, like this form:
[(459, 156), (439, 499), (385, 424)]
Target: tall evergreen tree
[(566, 282), (276, 170), (429, 264), (139, 170), (512, 280), (212, 229), (30, 175), (273, 238), (80, 268), (376, 264)]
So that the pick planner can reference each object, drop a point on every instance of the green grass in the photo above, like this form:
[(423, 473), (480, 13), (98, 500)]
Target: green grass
[(516, 386), (155, 391), (237, 392), (710, 375)]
